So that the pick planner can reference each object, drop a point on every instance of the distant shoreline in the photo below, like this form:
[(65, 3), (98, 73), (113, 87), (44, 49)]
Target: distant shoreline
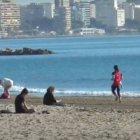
[(60, 36)]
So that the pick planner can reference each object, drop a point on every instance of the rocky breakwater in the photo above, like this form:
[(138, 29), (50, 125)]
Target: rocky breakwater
[(25, 51)]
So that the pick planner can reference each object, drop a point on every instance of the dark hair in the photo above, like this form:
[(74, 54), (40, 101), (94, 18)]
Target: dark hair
[(116, 67), (50, 89), (25, 90)]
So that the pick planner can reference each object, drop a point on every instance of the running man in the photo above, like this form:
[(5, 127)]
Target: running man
[(117, 78)]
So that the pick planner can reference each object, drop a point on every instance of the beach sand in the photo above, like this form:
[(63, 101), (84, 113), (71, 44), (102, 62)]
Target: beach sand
[(83, 118)]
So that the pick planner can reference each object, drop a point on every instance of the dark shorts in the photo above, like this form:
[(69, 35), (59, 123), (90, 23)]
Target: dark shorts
[(115, 87)]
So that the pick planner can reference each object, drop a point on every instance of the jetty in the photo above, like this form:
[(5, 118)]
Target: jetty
[(24, 51)]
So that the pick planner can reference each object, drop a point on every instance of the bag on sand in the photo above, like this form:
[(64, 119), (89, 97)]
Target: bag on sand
[(5, 111)]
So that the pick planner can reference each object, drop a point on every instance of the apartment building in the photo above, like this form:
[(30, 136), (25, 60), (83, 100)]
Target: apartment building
[(84, 8), (9, 15), (108, 13), (48, 10), (63, 15)]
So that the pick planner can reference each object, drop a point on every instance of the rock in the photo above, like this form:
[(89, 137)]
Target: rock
[(25, 51)]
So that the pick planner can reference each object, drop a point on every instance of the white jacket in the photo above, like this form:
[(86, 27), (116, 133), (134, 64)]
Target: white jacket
[(6, 82)]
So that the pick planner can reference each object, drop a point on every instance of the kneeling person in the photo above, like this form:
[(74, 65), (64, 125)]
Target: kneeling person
[(20, 105)]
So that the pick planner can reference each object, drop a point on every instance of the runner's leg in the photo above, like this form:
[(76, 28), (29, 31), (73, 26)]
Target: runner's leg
[(113, 88), (118, 93)]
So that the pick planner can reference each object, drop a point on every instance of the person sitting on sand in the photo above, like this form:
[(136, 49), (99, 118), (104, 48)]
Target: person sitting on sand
[(20, 106), (49, 98), (6, 83)]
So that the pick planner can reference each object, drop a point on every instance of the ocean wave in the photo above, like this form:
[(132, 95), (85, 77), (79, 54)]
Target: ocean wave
[(68, 92), (18, 89), (94, 93)]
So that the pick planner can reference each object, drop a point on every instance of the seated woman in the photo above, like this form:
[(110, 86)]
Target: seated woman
[(49, 98), (20, 105)]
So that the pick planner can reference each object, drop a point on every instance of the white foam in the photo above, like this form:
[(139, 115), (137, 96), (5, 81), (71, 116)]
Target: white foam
[(94, 93), (59, 92), (31, 90)]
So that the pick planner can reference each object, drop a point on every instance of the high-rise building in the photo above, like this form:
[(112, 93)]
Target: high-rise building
[(66, 18), (62, 15), (63, 20), (129, 10), (62, 3), (31, 12), (48, 10), (9, 15), (137, 13), (84, 8), (132, 11), (92, 10), (137, 2), (72, 2), (108, 13), (120, 17)]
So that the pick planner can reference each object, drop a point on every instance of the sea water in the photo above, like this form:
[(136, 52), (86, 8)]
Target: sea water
[(79, 65)]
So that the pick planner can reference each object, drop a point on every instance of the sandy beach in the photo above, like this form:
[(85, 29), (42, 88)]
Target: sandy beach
[(83, 118)]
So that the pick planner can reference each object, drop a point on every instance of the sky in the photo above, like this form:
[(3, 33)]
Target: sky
[(38, 1)]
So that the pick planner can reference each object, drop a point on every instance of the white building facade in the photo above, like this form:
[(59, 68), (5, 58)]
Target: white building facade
[(89, 31), (92, 10), (120, 17)]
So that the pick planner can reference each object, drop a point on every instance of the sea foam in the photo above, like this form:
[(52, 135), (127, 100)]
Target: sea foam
[(69, 92)]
